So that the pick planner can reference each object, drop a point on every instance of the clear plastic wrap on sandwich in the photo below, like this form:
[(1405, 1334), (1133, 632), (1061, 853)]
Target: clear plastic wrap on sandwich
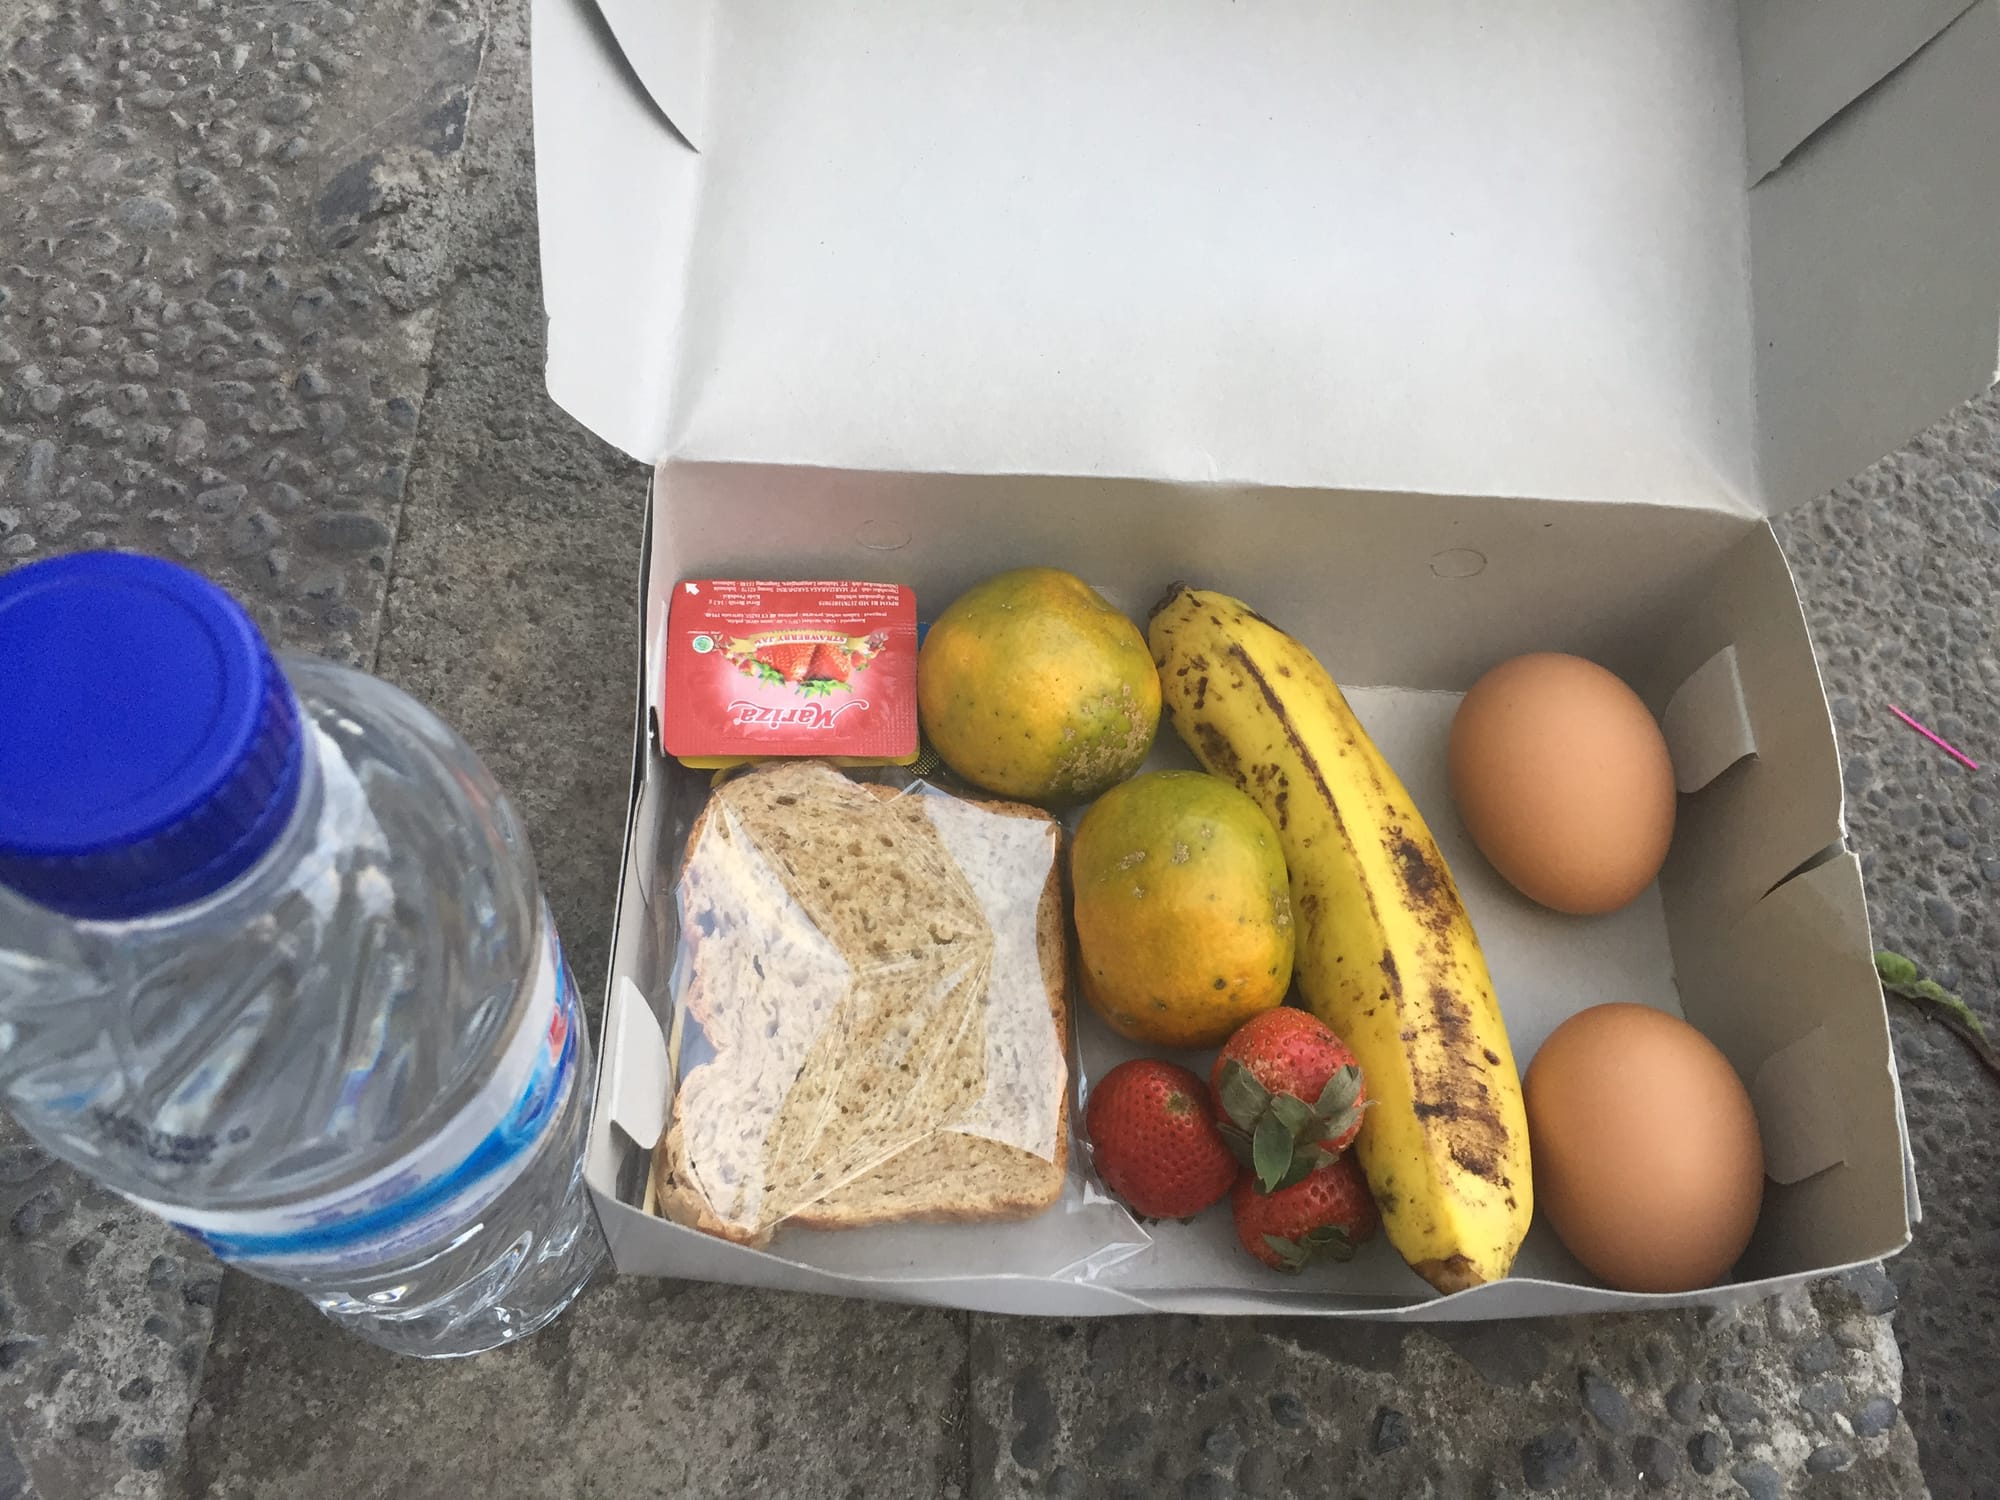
[(870, 1014)]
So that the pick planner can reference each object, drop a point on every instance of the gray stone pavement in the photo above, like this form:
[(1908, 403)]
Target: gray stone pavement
[(268, 302)]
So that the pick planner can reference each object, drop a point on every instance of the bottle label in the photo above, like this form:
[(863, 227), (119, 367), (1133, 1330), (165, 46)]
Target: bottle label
[(443, 1183)]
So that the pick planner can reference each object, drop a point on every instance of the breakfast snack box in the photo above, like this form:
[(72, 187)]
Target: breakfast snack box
[(1442, 332)]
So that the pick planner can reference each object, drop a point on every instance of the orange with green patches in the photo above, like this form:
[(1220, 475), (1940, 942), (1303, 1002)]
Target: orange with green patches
[(1183, 909), (1032, 686)]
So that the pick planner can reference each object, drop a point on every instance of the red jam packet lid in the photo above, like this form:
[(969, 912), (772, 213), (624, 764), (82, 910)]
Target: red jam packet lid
[(757, 669)]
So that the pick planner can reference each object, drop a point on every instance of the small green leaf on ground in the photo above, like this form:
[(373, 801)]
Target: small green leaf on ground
[(1903, 979)]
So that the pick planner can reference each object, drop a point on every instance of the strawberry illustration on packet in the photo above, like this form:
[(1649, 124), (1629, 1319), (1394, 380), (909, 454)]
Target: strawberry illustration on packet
[(804, 657), (757, 670)]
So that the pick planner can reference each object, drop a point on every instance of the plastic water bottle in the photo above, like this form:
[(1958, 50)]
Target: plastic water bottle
[(274, 963)]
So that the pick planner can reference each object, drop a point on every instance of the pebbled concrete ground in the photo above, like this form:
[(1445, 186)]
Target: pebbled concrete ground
[(1704, 1404), (214, 345), (268, 302), (1900, 571)]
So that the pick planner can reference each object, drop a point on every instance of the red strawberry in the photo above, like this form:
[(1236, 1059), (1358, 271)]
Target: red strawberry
[(789, 659), (1289, 1093), (831, 663), (1324, 1215), (1154, 1139)]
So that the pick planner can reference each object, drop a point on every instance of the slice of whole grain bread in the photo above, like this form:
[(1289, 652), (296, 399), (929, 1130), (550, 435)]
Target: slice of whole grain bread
[(881, 981), (1005, 1154)]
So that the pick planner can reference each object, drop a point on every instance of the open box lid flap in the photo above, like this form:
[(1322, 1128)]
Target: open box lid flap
[(1877, 266), (931, 240), (666, 44), (1804, 61)]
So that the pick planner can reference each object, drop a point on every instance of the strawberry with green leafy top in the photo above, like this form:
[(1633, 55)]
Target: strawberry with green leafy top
[(1289, 1094), (1323, 1216)]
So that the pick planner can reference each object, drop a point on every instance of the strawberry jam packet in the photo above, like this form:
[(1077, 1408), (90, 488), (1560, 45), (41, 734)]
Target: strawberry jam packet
[(757, 670)]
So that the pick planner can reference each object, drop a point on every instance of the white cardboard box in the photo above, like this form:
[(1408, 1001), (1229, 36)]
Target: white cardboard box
[(1439, 330)]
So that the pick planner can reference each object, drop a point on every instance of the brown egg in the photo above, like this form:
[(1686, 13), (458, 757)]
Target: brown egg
[(1563, 780), (1647, 1158)]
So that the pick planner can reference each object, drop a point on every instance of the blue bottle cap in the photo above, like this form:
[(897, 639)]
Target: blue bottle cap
[(150, 749)]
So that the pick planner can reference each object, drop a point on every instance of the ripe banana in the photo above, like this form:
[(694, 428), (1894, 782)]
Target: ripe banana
[(1386, 955)]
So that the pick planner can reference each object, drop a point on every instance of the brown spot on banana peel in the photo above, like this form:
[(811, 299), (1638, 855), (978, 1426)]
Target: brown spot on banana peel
[(1167, 600), (1454, 1020), (1428, 885), (1453, 1103), (1475, 1162), (1251, 614), (1217, 753), (1455, 1273)]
